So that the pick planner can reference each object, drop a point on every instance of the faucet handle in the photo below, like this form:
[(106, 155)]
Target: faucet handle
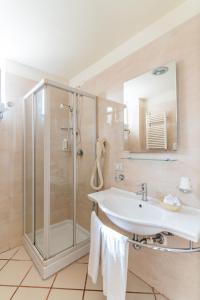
[(141, 184)]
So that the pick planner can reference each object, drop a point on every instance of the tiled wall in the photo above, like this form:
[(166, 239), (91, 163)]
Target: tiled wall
[(11, 163), (175, 275)]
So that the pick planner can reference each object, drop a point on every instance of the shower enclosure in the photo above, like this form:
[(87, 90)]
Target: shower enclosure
[(59, 152)]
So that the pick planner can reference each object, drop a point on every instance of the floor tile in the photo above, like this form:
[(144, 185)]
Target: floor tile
[(92, 295), (131, 296), (97, 286), (8, 254), (14, 272), (65, 294), (2, 263), (72, 277), (6, 292), (134, 284), (161, 297), (34, 279), (83, 260), (21, 254), (155, 291), (31, 294)]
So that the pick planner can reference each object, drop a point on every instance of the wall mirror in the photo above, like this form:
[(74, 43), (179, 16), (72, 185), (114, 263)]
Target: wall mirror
[(150, 111)]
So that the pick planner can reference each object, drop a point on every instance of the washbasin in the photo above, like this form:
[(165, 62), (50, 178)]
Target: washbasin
[(127, 210)]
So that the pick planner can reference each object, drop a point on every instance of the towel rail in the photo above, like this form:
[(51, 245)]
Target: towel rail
[(190, 248), (166, 249)]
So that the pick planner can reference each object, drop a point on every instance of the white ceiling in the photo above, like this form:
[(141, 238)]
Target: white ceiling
[(63, 37)]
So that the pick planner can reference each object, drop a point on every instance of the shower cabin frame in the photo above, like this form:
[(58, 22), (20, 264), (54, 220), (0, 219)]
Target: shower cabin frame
[(45, 264)]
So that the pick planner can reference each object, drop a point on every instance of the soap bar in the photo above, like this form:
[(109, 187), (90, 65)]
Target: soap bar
[(171, 203), (171, 200)]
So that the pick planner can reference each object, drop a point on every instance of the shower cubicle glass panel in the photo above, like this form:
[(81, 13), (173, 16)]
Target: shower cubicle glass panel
[(60, 136), (39, 125), (28, 169), (85, 143), (61, 170)]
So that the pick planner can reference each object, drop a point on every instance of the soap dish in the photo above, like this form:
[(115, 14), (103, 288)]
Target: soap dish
[(171, 207)]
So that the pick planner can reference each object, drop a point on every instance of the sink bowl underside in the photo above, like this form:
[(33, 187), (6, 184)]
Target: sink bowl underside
[(126, 210)]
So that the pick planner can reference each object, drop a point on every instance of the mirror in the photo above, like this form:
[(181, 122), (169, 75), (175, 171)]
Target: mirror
[(150, 111)]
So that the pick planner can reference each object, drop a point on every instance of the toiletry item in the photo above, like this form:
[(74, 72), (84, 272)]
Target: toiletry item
[(185, 184), (171, 203)]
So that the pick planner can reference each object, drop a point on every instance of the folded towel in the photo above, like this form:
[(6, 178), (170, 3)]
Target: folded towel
[(95, 247), (114, 256)]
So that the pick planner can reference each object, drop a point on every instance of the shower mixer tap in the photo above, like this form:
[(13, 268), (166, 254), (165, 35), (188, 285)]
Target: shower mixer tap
[(66, 107)]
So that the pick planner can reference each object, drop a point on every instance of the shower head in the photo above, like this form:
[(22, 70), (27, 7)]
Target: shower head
[(160, 70), (66, 107)]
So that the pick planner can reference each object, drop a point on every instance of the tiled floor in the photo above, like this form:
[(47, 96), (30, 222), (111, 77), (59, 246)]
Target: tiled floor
[(19, 280)]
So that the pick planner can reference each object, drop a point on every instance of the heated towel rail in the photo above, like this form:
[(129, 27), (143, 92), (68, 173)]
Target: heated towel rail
[(156, 130)]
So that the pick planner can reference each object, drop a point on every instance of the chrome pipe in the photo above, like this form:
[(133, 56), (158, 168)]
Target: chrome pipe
[(165, 249)]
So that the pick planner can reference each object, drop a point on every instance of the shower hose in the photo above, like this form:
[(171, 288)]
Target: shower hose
[(100, 150)]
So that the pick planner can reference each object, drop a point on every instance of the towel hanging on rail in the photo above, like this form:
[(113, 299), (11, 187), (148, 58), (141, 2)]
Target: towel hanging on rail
[(114, 257)]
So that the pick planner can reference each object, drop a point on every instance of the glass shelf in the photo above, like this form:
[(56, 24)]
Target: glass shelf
[(166, 159)]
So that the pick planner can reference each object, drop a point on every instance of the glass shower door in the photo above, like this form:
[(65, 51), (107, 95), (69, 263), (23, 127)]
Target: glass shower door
[(61, 229), (85, 144), (60, 135), (28, 170), (39, 132)]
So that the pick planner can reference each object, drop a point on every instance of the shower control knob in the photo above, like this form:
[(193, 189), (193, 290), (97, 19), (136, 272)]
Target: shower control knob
[(119, 177), (80, 152)]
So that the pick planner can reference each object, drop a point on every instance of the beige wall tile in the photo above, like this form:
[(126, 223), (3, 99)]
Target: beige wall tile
[(11, 163), (176, 276)]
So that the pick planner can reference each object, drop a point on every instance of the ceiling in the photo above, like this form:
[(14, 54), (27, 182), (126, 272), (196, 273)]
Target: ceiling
[(63, 37)]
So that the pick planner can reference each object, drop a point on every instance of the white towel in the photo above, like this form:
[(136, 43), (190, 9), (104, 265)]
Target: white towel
[(95, 247), (114, 249)]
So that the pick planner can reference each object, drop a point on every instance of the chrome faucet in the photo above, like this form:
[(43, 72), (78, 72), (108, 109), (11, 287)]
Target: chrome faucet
[(143, 191)]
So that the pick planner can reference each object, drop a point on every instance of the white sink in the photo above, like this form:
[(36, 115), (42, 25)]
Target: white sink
[(129, 212)]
